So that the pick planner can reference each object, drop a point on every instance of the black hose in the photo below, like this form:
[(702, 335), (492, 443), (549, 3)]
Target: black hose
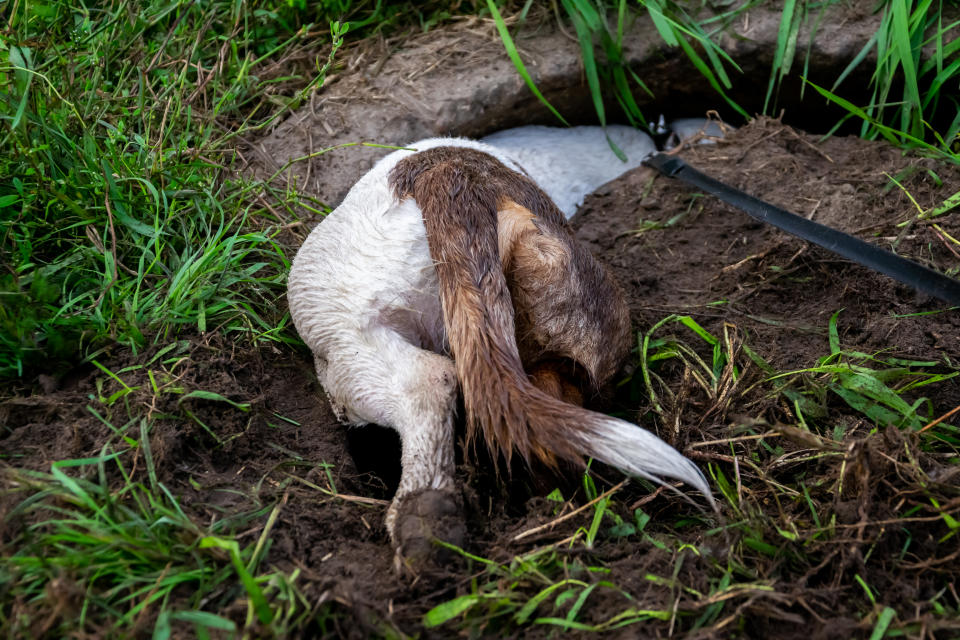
[(886, 262)]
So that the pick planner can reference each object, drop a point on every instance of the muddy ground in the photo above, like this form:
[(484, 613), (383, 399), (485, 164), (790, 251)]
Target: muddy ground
[(766, 290)]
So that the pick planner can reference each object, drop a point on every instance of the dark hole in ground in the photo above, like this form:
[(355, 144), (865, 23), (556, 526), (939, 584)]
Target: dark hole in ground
[(802, 106), (376, 451)]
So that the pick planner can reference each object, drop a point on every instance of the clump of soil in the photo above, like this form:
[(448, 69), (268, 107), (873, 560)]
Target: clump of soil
[(673, 252)]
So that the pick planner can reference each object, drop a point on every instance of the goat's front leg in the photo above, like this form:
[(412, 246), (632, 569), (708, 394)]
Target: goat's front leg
[(383, 379)]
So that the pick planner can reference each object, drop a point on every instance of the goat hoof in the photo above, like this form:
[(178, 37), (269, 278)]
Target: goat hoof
[(423, 518)]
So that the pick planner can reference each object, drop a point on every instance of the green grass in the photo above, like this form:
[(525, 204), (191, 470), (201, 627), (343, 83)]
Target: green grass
[(116, 553), (123, 551), (122, 220), (907, 26), (508, 597), (874, 385), (128, 234)]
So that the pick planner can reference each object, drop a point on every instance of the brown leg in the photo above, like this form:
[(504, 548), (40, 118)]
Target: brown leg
[(552, 378)]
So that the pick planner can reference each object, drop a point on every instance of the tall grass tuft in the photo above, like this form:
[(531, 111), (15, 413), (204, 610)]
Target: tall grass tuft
[(122, 218), (909, 85)]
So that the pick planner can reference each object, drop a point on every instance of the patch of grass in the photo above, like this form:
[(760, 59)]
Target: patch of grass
[(122, 220), (944, 150), (915, 57), (717, 377), (907, 26), (123, 557), (554, 584), (873, 385)]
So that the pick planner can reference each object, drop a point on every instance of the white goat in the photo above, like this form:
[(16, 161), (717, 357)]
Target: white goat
[(447, 267)]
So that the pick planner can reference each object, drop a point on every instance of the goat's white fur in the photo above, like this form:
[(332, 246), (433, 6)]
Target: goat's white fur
[(570, 163), (363, 294)]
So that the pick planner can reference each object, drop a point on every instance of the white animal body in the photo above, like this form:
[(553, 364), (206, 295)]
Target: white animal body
[(364, 296), (570, 163)]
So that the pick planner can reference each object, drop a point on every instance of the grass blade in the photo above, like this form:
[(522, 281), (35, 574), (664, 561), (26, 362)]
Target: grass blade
[(883, 623), (449, 610), (514, 55)]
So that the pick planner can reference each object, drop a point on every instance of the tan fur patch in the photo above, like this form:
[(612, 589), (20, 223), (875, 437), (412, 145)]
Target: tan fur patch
[(548, 377), (512, 222)]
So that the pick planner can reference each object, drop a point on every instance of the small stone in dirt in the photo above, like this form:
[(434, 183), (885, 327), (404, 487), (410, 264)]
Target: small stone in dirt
[(49, 384)]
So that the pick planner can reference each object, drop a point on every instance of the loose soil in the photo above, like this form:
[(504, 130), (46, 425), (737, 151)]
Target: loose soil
[(757, 286)]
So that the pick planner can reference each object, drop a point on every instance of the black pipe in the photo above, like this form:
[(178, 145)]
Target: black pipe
[(886, 262)]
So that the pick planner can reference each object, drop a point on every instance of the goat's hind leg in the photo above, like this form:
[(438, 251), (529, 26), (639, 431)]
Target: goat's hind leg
[(381, 378)]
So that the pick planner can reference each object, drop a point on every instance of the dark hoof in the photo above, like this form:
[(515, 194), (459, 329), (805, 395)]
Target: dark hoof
[(425, 517)]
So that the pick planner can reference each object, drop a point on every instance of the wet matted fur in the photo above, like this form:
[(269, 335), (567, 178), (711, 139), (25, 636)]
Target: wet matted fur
[(448, 268)]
